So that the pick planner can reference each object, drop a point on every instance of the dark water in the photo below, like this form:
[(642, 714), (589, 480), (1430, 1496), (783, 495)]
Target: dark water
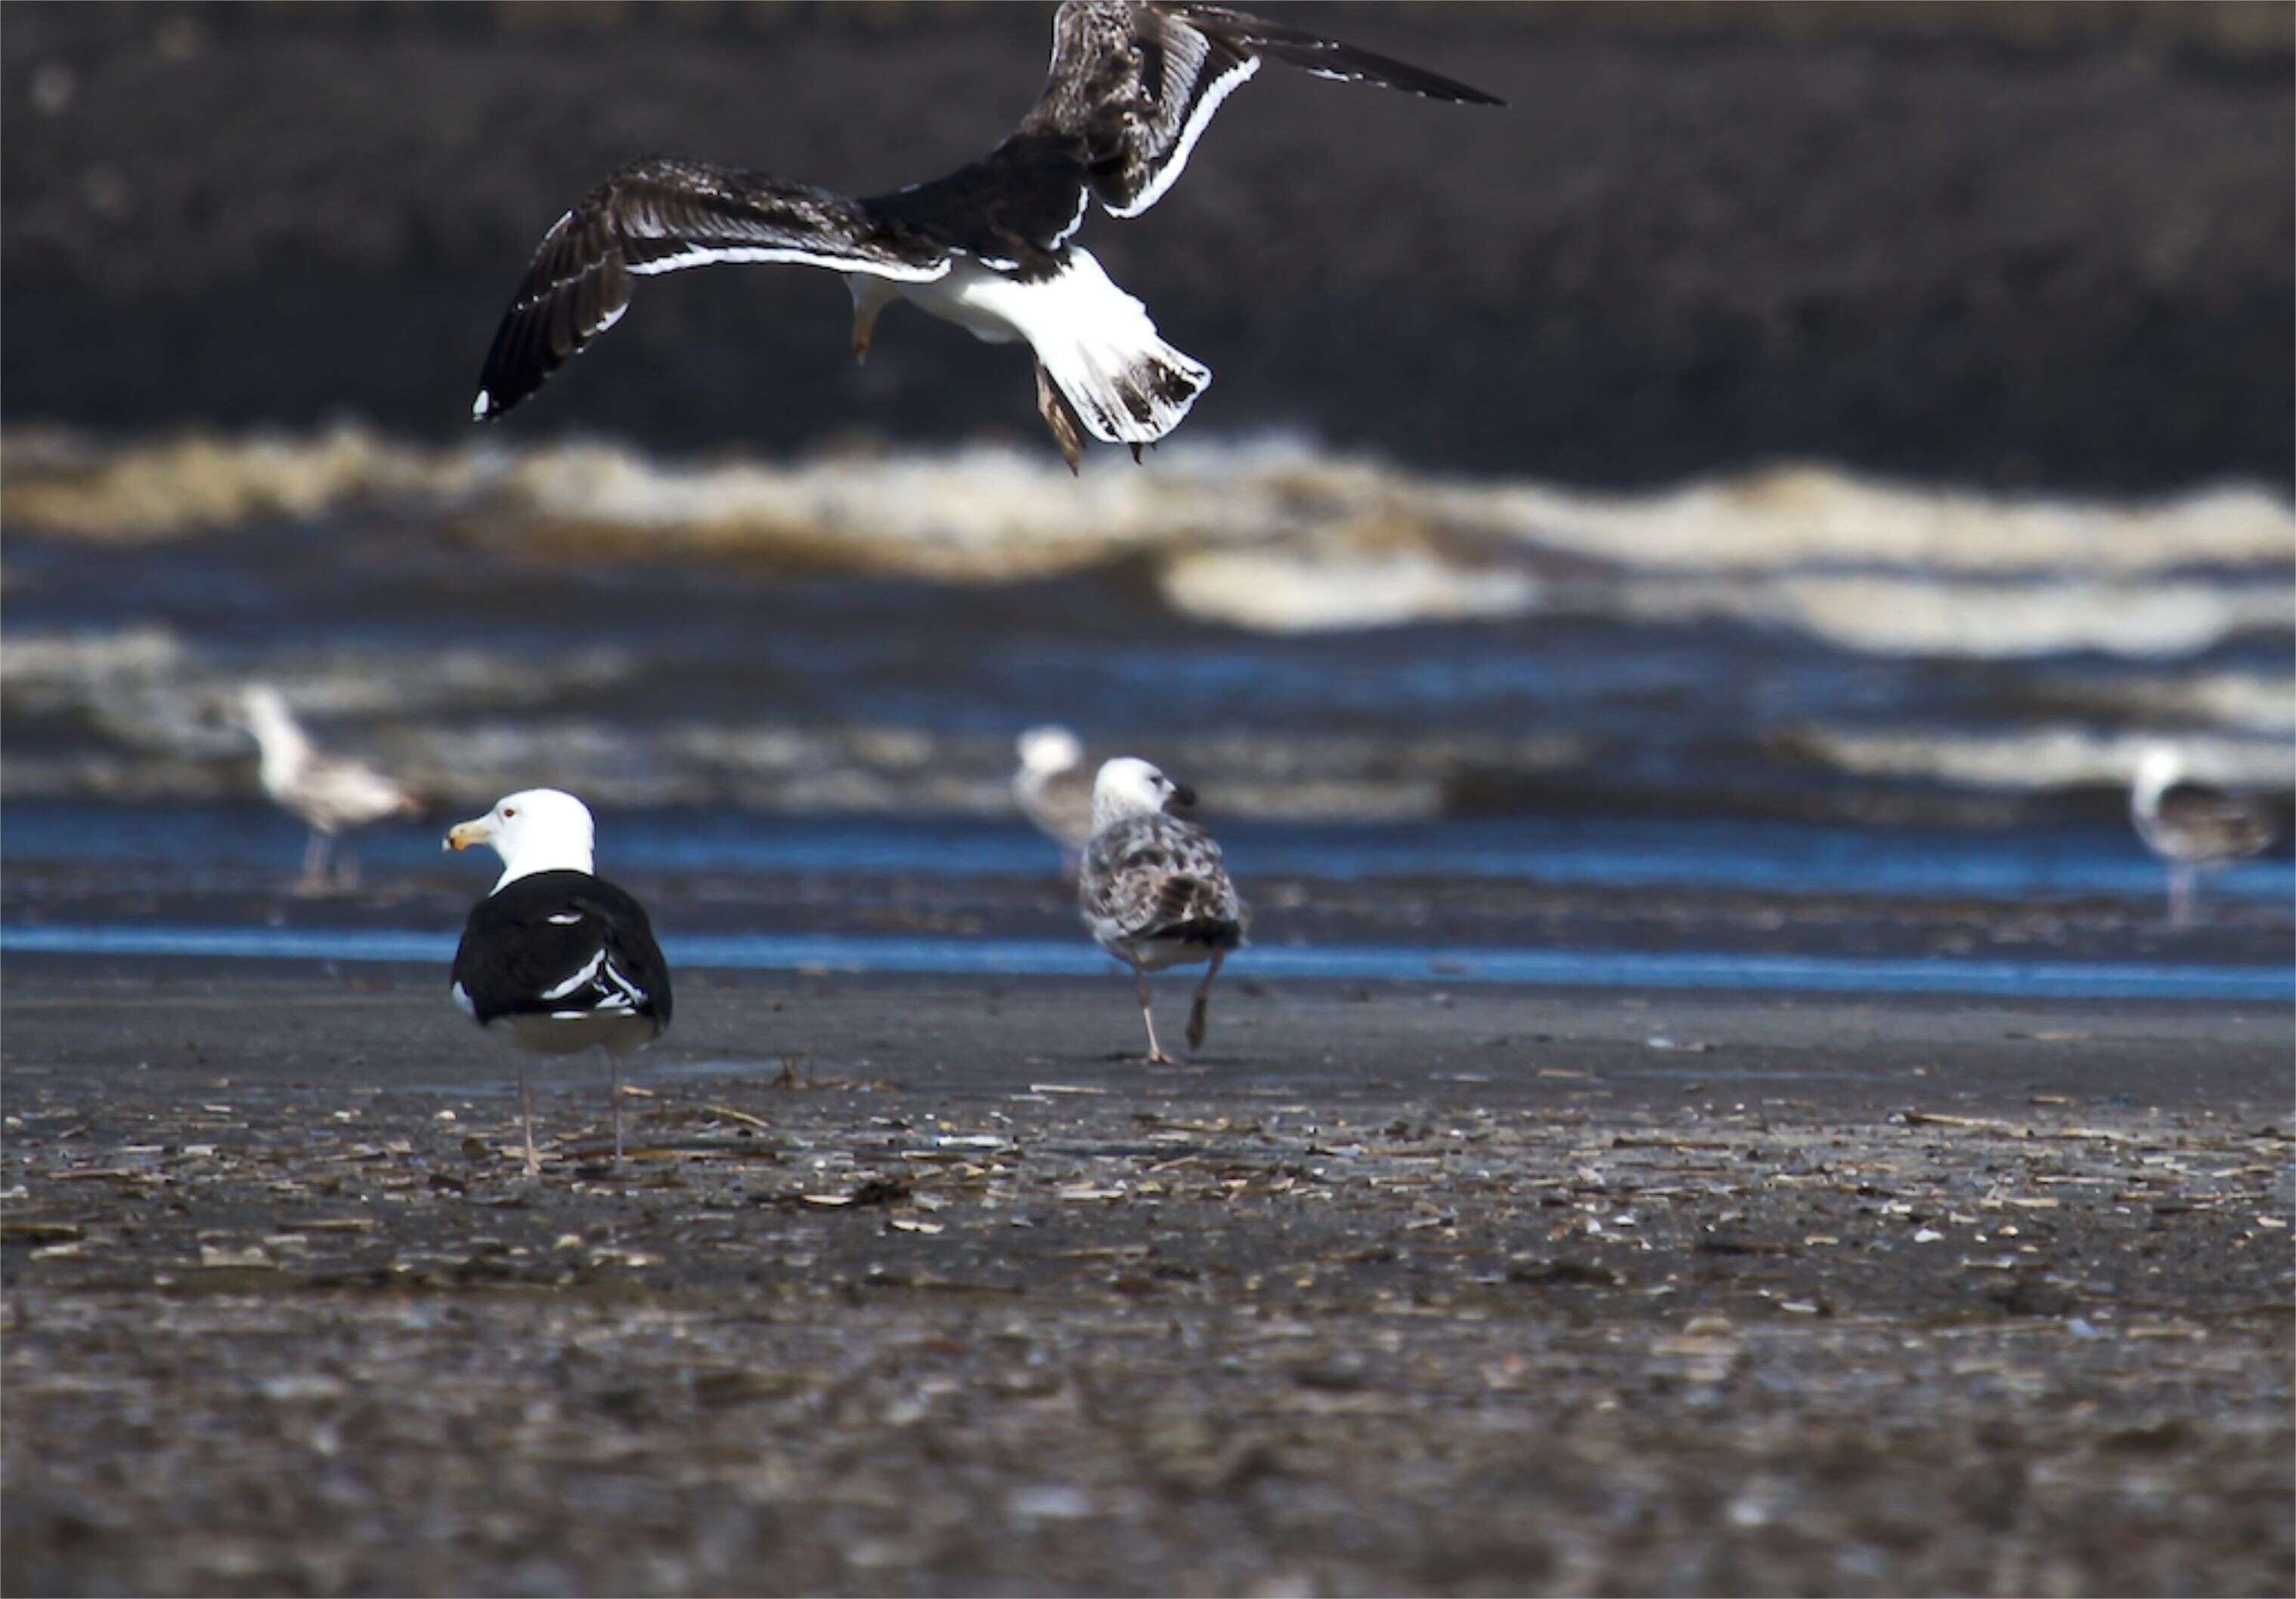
[(1017, 957), (246, 842), (1709, 741), (470, 668), (74, 868)]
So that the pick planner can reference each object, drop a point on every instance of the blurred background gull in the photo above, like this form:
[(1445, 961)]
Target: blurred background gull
[(1800, 450)]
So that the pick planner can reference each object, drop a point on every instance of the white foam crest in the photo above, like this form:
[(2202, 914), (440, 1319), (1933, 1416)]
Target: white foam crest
[(1802, 516), (1297, 592), (62, 482), (2055, 756), (37, 659), (1866, 565), (2256, 701), (1921, 616)]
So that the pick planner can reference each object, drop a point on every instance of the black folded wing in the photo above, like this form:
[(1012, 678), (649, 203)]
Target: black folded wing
[(561, 943)]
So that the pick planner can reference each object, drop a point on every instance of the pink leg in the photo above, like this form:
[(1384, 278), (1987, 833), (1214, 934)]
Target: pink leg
[(2180, 896), (1196, 1017), (1156, 1055), (617, 1060), (525, 1121)]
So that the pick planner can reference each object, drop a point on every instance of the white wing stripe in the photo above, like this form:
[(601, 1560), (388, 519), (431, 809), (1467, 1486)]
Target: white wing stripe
[(584, 976), (704, 255), (1169, 173)]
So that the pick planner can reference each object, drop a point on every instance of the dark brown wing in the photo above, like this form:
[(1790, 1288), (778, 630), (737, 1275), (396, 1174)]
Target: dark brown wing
[(1156, 876), (2194, 822), (657, 215), (1136, 84)]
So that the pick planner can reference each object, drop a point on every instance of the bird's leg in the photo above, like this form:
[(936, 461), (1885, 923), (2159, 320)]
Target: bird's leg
[(1203, 996), (865, 328), (525, 1121), (1060, 417), (1156, 1055), (2180, 896), (314, 860), (615, 1056)]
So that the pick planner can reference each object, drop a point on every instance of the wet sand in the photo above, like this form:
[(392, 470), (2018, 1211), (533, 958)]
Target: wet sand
[(1398, 1290)]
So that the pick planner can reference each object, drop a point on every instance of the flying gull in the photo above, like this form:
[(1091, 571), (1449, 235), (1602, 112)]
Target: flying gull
[(329, 796), (1131, 89), (565, 960), (2191, 826), (1153, 889), (1052, 791)]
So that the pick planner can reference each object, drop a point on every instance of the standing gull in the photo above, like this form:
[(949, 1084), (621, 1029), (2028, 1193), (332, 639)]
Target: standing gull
[(1052, 791), (563, 959), (327, 795), (2191, 826), (1131, 88), (1153, 890)]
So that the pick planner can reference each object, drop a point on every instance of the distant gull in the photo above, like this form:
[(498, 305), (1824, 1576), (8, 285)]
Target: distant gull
[(2191, 826), (327, 795), (1131, 88), (1154, 891), (1054, 791), (563, 959)]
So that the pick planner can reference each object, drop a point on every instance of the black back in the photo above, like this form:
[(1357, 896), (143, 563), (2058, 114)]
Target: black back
[(536, 933)]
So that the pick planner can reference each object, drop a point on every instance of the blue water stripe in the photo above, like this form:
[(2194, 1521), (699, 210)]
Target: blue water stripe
[(1046, 957)]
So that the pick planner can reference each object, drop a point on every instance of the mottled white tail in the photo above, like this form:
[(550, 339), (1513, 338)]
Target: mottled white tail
[(1127, 384)]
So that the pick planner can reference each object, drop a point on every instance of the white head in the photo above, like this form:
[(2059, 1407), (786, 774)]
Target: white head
[(1126, 787), (2158, 766), (262, 710), (534, 829), (1047, 750)]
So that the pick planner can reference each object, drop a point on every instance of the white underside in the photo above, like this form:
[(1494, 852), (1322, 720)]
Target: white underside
[(1093, 337), (1152, 954)]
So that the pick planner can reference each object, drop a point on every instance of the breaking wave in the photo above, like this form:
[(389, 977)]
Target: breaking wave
[(1273, 536), (1248, 610)]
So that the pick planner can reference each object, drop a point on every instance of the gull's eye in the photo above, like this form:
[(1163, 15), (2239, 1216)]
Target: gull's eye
[(509, 811)]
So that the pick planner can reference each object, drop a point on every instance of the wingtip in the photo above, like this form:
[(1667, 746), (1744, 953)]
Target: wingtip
[(482, 408)]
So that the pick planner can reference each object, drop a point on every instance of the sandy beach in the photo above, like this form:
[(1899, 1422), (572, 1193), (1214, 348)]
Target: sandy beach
[(919, 1285), (1663, 608)]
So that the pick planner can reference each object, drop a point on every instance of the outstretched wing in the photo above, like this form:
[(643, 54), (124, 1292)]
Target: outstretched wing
[(1136, 84), (657, 215)]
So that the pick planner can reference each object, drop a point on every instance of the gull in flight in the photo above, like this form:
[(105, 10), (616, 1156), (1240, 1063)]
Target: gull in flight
[(989, 246)]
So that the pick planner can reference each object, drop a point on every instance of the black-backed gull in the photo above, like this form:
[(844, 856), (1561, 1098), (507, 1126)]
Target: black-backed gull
[(1053, 790), (2191, 825), (563, 959), (1153, 889), (1131, 88), (328, 795)]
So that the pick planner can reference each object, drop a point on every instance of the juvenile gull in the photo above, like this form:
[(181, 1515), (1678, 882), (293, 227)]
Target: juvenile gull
[(1053, 790), (327, 795), (2191, 826), (1153, 889), (1130, 90), (565, 960)]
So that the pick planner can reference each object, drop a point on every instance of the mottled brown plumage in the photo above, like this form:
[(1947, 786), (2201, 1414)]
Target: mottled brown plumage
[(1154, 890), (2191, 826)]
